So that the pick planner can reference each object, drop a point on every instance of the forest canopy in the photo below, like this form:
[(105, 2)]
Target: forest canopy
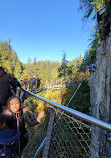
[(44, 69)]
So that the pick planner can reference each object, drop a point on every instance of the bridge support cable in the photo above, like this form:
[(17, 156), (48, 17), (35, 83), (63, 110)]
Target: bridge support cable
[(70, 100), (74, 93), (41, 146)]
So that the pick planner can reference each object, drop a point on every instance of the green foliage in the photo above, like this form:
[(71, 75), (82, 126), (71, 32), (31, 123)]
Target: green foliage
[(29, 61), (44, 69), (90, 55), (99, 9), (90, 7), (18, 70), (34, 61), (10, 60), (64, 69), (81, 100), (100, 4), (76, 62), (8, 57), (14, 60), (5, 52), (87, 8)]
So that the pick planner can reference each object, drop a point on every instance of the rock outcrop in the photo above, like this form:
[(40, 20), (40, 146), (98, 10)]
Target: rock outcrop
[(100, 98)]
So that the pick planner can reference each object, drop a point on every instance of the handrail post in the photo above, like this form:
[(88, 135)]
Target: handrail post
[(48, 135)]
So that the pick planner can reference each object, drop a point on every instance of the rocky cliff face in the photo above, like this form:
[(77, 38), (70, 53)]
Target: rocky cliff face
[(100, 97)]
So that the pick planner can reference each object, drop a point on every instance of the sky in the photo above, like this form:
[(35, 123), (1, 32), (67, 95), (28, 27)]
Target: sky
[(44, 29)]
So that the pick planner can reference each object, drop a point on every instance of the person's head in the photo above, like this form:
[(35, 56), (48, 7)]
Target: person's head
[(1, 69), (2, 122), (14, 104), (6, 70), (13, 76)]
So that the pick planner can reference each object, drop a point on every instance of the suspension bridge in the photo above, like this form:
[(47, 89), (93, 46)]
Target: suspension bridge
[(66, 133)]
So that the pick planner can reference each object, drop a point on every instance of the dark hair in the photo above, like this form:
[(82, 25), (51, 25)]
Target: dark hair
[(13, 76), (1, 68), (8, 103)]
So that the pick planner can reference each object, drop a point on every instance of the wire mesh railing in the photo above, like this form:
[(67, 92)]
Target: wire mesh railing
[(67, 133), (70, 138)]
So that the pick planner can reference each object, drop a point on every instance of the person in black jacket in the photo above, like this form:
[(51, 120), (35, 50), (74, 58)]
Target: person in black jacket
[(5, 81), (15, 87), (16, 117)]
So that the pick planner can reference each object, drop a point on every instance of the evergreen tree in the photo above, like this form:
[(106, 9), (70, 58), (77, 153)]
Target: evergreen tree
[(29, 61), (8, 66), (76, 62), (5, 52), (64, 70), (91, 7), (14, 60), (9, 58), (35, 60), (18, 70), (90, 55)]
